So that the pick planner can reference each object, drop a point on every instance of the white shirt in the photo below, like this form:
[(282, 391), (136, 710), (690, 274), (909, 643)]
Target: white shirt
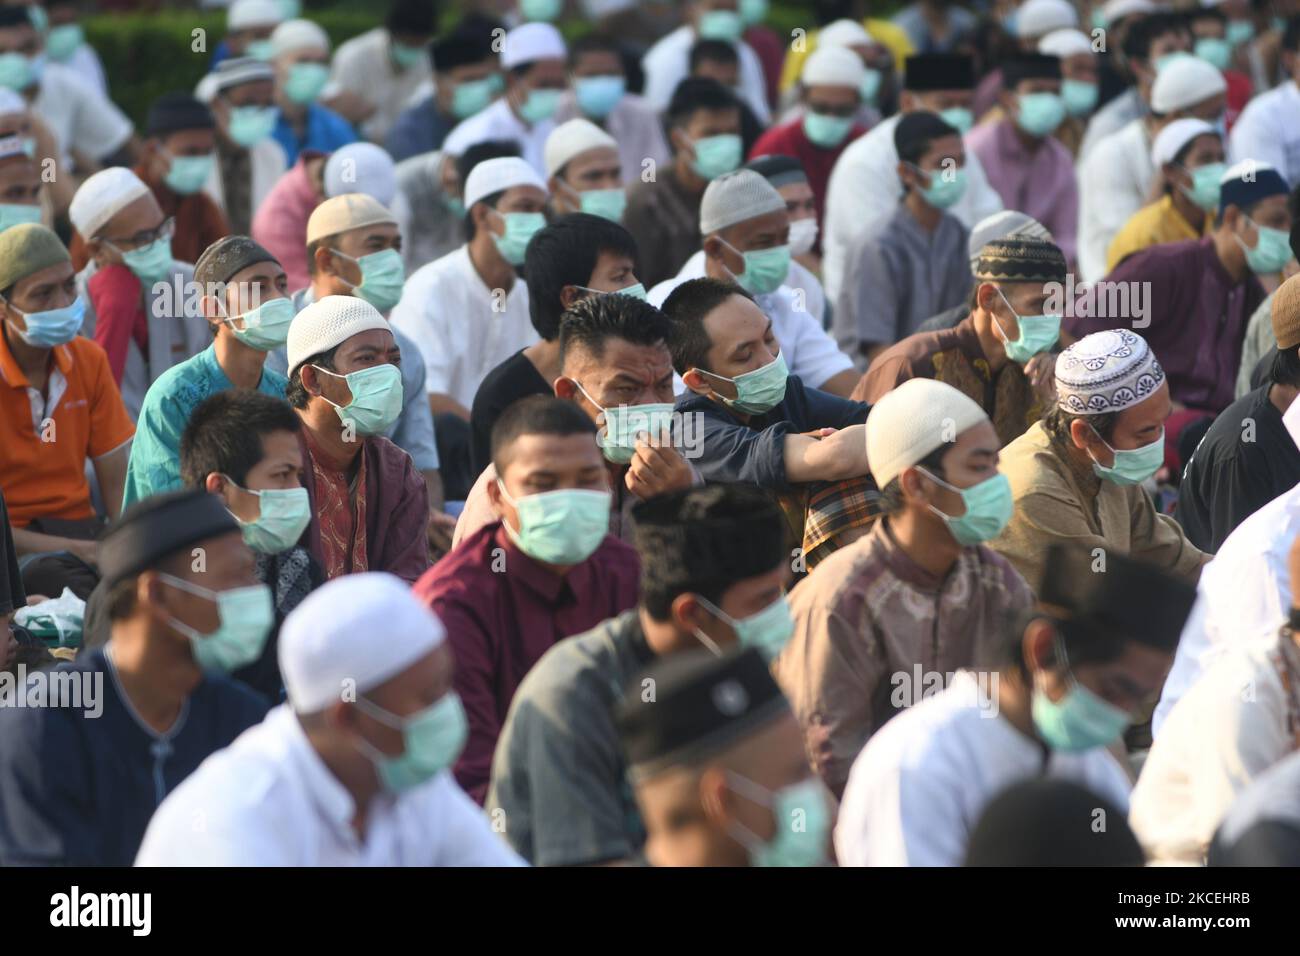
[(864, 188), (1114, 183), (1111, 118), (923, 780), (668, 62), (362, 66), (1228, 729), (86, 64), (269, 800), (1267, 130), (78, 115), (809, 350), (499, 121), (1243, 597), (462, 328)]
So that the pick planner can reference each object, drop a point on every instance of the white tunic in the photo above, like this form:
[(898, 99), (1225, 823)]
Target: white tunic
[(1267, 130), (79, 115), (1114, 183), (363, 66), (923, 780), (499, 121), (269, 800), (668, 62)]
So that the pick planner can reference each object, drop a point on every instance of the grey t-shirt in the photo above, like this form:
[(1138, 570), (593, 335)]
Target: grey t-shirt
[(559, 784)]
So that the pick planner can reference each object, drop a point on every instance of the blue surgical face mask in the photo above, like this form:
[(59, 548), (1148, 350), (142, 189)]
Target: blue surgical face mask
[(383, 275), (520, 229), (150, 263), (1038, 333), (624, 424), (959, 118), (53, 326), (305, 82), (1132, 466), (1040, 113), (870, 87), (715, 155), (249, 125), (562, 527), (1271, 252), (540, 105), (759, 391), (267, 326), (765, 269), (283, 515), (945, 188), (723, 25), (17, 72), (63, 41), (988, 505), (768, 630), (187, 174), (803, 823), (245, 616), (1080, 720), (598, 95), (1080, 97), (376, 398)]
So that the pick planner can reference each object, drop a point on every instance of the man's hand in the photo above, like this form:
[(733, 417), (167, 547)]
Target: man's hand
[(657, 468), (88, 551), (439, 531), (1041, 372)]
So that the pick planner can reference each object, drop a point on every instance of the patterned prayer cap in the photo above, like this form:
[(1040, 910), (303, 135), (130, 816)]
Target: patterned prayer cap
[(1106, 372), (1021, 260)]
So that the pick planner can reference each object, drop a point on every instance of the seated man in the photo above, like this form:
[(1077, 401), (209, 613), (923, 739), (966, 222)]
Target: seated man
[(988, 356), (300, 55), (789, 179), (722, 784), (136, 308), (714, 563), (582, 171), (548, 569), (83, 774), (371, 507), (245, 300), (920, 595), (61, 409), (1077, 474), (615, 365), (1067, 683), (322, 749), (746, 232)]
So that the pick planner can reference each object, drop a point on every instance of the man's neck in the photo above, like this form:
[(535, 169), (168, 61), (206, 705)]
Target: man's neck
[(490, 265), (156, 674), (323, 285), (34, 362), (241, 363), (926, 216), (1192, 214), (995, 352), (1231, 256), (929, 546), (324, 431), (1282, 396), (690, 180), (661, 636), (545, 357), (356, 776)]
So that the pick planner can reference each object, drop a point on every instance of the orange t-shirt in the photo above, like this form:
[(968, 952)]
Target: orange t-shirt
[(43, 467)]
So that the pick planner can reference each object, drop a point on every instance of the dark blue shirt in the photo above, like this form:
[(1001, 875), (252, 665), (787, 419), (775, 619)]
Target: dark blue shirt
[(419, 129), (325, 131), (734, 450)]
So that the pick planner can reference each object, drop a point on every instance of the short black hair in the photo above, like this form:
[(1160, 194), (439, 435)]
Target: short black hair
[(915, 133), (594, 43), (1140, 36), (478, 153), (1285, 369), (14, 16), (536, 415), (417, 17), (1291, 35), (1056, 422), (565, 253), (224, 434), (296, 394), (595, 320), (696, 93), (712, 51), (891, 496), (686, 309)]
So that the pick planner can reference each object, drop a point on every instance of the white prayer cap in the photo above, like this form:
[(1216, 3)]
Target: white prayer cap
[(1063, 43), (1117, 10), (1005, 224), (1104, 372), (351, 635), (361, 168), (843, 33), (298, 35), (329, 322), (1171, 140), (737, 197), (913, 420), (1035, 18), (530, 42), (103, 196), (833, 66), (11, 102), (571, 139), (244, 14), (1184, 81), (495, 175)]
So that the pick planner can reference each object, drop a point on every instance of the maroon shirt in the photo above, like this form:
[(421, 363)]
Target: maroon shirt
[(503, 611)]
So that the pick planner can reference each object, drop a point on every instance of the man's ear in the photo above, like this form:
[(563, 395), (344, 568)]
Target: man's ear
[(712, 247), (310, 380), (1082, 434), (1036, 644), (215, 483), (715, 798), (494, 495), (696, 382), (566, 389), (569, 294)]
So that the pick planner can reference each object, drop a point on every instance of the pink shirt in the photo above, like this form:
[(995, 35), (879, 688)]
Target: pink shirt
[(281, 221)]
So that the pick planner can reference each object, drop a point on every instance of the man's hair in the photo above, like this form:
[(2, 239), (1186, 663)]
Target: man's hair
[(1291, 35), (565, 253), (593, 43), (891, 496), (593, 321), (1056, 421), (224, 434), (11, 17), (535, 415), (1285, 369), (712, 51), (1140, 36), (412, 17), (696, 93), (478, 153), (923, 129), (296, 394), (686, 309)]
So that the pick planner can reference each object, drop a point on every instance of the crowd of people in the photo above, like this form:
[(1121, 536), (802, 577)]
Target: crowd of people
[(658, 441)]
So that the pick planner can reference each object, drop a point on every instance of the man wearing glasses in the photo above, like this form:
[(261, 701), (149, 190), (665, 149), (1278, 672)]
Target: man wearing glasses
[(137, 305)]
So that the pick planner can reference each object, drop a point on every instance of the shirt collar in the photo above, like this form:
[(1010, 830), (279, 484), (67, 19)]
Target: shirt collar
[(542, 581), (13, 375), (208, 359)]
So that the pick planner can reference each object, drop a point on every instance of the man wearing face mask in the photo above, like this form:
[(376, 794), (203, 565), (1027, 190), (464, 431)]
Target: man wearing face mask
[(1026, 164), (986, 354), (720, 774), (83, 779), (714, 567), (244, 298), (910, 264), (786, 175), (1077, 474), (1080, 85), (249, 162), (344, 777), (746, 240), (371, 506), (922, 570), (1066, 680), (20, 185), (300, 55), (1265, 131), (546, 570), (533, 58), (583, 172)]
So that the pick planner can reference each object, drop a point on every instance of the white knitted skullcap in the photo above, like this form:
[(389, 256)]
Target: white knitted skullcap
[(571, 139), (1117, 10), (1036, 18), (833, 66), (913, 420), (361, 168), (843, 33), (737, 197), (327, 647), (1184, 81), (103, 196), (253, 13), (298, 35), (1063, 43), (329, 322), (1105, 372), (1006, 224), (1170, 140), (530, 42), (496, 175)]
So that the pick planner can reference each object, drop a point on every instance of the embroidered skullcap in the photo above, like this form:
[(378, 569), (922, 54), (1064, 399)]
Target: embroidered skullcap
[(1106, 372)]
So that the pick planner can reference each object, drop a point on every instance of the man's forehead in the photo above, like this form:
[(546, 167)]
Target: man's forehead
[(768, 222), (621, 356), (381, 339), (258, 271), (736, 319), (139, 213), (541, 452), (363, 234), (59, 272)]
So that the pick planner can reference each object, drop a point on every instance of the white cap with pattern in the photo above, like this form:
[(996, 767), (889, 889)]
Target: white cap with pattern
[(103, 196), (1106, 372), (737, 197), (329, 322)]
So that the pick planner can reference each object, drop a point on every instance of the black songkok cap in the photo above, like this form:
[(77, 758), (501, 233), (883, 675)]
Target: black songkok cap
[(702, 705), (226, 257), (463, 46), (1021, 260), (173, 112), (778, 170), (1030, 66), (924, 72), (154, 529), (1125, 598)]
